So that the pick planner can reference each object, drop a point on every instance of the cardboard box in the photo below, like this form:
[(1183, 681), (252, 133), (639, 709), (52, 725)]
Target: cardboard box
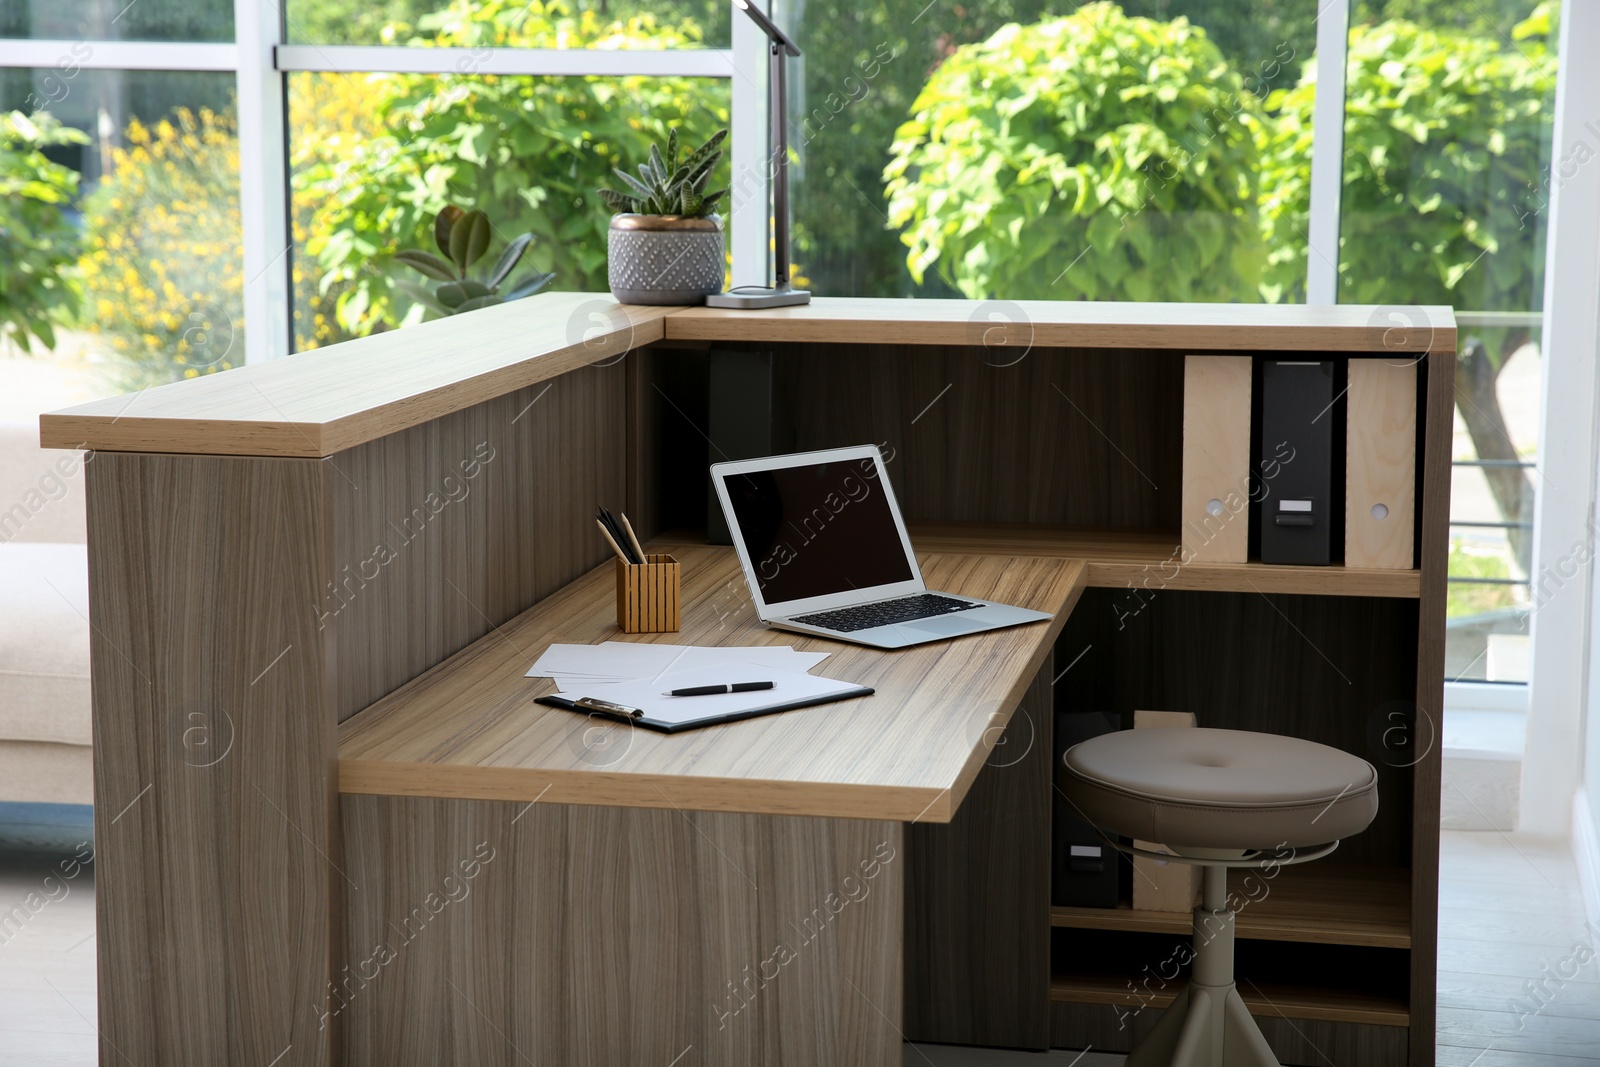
[(1157, 884)]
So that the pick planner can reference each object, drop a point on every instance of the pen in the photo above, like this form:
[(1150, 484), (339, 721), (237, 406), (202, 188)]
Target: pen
[(713, 690), (623, 556), (619, 539)]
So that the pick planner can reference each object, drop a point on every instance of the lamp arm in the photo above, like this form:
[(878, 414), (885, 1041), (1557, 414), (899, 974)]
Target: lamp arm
[(768, 27)]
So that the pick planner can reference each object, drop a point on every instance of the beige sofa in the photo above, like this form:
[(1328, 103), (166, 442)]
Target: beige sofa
[(44, 623)]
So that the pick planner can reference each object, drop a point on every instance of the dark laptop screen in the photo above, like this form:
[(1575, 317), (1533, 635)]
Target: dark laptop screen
[(817, 529)]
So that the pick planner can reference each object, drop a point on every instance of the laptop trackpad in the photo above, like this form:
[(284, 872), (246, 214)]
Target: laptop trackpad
[(946, 627)]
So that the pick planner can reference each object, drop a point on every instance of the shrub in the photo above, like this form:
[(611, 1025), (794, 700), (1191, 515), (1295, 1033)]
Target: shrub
[(37, 289), (162, 269), (1445, 137), (1094, 157)]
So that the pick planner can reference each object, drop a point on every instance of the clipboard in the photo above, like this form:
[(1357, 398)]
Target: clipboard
[(641, 703)]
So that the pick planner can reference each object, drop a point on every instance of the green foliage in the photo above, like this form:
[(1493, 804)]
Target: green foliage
[(1094, 156), (671, 185), (528, 152), (1445, 137), (161, 268), (37, 289), (463, 236), (1463, 599)]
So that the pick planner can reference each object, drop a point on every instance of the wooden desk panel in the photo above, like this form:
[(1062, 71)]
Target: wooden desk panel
[(1018, 324), (469, 728), (318, 403)]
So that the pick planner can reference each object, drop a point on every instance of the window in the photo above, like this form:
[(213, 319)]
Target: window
[(131, 276), (1156, 149), (1447, 133), (377, 156), (974, 150)]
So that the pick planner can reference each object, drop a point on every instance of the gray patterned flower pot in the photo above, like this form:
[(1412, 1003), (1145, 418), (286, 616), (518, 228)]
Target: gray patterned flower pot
[(664, 259)]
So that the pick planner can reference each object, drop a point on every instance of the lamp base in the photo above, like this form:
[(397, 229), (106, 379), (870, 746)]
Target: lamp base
[(750, 297)]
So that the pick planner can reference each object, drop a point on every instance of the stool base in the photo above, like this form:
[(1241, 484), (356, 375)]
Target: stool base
[(1206, 1026)]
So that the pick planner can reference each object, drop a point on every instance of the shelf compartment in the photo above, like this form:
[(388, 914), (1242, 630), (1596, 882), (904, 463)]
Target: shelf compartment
[(1266, 999), (1326, 904), (1147, 560)]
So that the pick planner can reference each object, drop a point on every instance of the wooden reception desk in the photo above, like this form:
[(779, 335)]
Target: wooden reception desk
[(332, 828)]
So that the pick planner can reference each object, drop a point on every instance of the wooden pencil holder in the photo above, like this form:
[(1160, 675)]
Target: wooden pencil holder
[(647, 595)]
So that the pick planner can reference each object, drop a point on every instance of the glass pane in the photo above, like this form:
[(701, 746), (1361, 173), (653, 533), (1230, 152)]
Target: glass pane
[(128, 190), (116, 20), (1492, 493), (512, 23), (1448, 121), (1026, 148), (375, 157)]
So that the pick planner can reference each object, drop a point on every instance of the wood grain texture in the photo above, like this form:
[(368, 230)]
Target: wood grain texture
[(1328, 903), (326, 401), (447, 529), (978, 897), (469, 728), (1014, 326), (648, 595), (1264, 999), (215, 818), (1216, 458), (1295, 1042), (1150, 562), (501, 935), (1061, 437), (1380, 464), (1438, 385)]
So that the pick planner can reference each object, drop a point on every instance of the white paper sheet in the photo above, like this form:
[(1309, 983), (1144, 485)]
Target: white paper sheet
[(612, 662), (788, 687)]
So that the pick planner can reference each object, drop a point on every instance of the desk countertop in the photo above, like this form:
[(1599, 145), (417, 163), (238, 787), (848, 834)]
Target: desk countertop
[(318, 403), (469, 727)]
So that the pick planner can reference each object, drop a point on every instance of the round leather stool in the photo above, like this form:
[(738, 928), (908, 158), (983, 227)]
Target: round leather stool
[(1218, 799)]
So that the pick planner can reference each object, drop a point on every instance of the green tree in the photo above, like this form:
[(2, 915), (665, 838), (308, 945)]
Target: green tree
[(528, 152), (1447, 140), (1095, 156), (38, 291)]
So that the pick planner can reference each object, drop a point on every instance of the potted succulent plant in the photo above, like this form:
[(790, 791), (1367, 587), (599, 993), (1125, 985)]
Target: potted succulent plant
[(666, 239)]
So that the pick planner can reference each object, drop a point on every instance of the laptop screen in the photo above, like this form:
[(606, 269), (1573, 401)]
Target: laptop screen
[(817, 529)]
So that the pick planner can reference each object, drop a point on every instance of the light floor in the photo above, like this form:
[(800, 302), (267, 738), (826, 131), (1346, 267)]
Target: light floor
[(1509, 908)]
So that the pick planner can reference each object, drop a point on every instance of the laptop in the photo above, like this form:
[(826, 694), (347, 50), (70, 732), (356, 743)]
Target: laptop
[(825, 552)]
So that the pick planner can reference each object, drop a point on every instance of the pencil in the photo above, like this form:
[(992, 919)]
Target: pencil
[(623, 556), (632, 537)]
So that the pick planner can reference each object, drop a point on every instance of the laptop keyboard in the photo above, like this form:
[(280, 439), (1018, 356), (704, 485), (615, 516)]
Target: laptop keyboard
[(885, 612)]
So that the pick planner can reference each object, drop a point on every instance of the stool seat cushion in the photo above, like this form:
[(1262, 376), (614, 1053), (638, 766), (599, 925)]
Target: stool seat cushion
[(1223, 789)]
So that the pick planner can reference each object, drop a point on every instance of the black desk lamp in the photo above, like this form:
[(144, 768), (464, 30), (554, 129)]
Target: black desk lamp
[(779, 295)]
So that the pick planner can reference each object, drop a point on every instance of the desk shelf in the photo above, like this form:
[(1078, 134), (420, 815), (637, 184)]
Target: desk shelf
[(1327, 904), (1270, 999), (1148, 561)]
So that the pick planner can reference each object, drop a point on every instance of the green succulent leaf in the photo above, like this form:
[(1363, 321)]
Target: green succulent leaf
[(509, 258), (640, 189), (469, 239), (454, 294), (529, 284), (421, 295), (666, 185), (487, 300), (427, 263), (617, 201), (443, 223)]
